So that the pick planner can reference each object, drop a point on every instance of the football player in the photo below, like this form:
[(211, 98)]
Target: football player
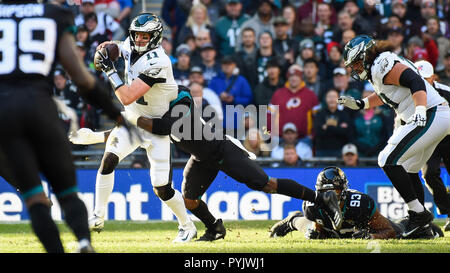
[(425, 116), (431, 172), (34, 37), (208, 157), (149, 88), (361, 218)]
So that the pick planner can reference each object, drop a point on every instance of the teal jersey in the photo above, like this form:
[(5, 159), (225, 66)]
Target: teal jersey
[(228, 31)]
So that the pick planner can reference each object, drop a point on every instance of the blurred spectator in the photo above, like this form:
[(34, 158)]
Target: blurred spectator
[(262, 21), (443, 43), (289, 13), (324, 25), (295, 103), (283, 45), (371, 18), (370, 129), (311, 75), (418, 49), (246, 56), (400, 8), (209, 64), (168, 48), (197, 20), (183, 65), (202, 38), (254, 69), (347, 35), (332, 127), (264, 91), (200, 101), (361, 21), (106, 25), (95, 38), (341, 82), (82, 34), (124, 17), (306, 51), (228, 27), (231, 87), (110, 7), (444, 75), (309, 11), (196, 76), (396, 36), (139, 163), (345, 22), (214, 8), (350, 155), (253, 143), (65, 91), (290, 157), (290, 137), (334, 58), (175, 13)]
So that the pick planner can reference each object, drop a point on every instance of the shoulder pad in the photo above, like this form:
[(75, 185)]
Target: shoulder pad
[(382, 65)]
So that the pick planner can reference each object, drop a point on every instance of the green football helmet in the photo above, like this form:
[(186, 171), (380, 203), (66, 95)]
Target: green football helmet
[(354, 51), (148, 23)]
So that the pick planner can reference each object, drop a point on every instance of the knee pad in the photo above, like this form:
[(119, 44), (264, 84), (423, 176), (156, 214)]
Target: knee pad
[(165, 192), (109, 163)]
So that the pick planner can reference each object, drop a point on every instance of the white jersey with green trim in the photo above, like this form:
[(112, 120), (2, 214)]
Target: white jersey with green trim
[(399, 97), (155, 66)]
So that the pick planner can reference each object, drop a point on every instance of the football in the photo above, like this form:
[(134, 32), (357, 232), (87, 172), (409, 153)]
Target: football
[(113, 53)]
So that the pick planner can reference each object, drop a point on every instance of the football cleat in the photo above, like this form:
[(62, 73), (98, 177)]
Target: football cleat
[(85, 247), (447, 224), (96, 223), (186, 233), (283, 227), (217, 232), (416, 220)]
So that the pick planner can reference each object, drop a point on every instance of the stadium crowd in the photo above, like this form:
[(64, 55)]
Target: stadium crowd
[(276, 52)]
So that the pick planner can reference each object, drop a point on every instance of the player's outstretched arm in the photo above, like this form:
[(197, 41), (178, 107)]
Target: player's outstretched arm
[(368, 102)]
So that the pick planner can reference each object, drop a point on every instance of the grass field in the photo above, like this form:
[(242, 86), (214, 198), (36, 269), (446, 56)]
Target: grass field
[(242, 237)]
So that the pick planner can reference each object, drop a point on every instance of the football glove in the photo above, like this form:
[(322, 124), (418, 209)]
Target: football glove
[(351, 102), (419, 118), (312, 234), (86, 136), (104, 63)]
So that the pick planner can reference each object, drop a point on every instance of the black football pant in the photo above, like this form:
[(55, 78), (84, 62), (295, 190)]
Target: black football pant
[(432, 175)]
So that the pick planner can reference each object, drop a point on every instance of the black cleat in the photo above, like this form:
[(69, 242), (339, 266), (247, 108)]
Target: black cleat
[(416, 221), (217, 232), (329, 201), (283, 227), (447, 224)]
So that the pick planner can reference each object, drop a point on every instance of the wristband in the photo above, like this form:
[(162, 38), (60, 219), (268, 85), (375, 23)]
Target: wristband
[(114, 79), (366, 103)]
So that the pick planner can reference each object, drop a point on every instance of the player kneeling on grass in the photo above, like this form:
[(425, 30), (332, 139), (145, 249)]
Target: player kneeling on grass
[(208, 157), (361, 218)]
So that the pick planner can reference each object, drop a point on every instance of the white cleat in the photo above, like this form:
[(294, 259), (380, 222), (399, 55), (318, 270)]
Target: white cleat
[(96, 223), (186, 233)]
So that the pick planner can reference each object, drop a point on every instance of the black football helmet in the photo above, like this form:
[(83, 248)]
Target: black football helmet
[(332, 178)]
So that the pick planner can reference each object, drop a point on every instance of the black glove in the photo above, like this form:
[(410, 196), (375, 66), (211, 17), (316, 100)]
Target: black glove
[(105, 63), (312, 234)]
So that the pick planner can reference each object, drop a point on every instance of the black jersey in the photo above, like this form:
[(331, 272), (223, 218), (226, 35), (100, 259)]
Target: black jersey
[(30, 37), (357, 211), (192, 142)]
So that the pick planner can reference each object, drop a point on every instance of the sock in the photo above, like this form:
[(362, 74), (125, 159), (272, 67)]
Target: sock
[(415, 205), (293, 189), (296, 223), (104, 185), (202, 212), (76, 216), (418, 187), (176, 204), (44, 228), (401, 181)]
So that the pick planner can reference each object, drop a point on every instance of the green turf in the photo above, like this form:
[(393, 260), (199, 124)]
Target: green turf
[(242, 237)]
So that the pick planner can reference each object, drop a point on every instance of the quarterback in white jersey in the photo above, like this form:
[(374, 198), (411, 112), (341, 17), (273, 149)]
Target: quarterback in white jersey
[(424, 113), (147, 91)]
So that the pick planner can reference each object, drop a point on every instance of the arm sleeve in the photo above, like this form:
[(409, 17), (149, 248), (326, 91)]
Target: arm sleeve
[(412, 80)]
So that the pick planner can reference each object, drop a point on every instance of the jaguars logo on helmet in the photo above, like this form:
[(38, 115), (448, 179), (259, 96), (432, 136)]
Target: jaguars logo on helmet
[(356, 50), (148, 23), (332, 178)]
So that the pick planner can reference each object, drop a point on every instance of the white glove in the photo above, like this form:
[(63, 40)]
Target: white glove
[(86, 136), (130, 117), (352, 103), (68, 112), (419, 118)]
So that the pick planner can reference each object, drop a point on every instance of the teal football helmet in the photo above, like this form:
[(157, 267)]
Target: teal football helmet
[(355, 50)]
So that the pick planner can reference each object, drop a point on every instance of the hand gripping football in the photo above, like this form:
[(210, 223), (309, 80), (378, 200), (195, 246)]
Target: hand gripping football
[(110, 50)]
